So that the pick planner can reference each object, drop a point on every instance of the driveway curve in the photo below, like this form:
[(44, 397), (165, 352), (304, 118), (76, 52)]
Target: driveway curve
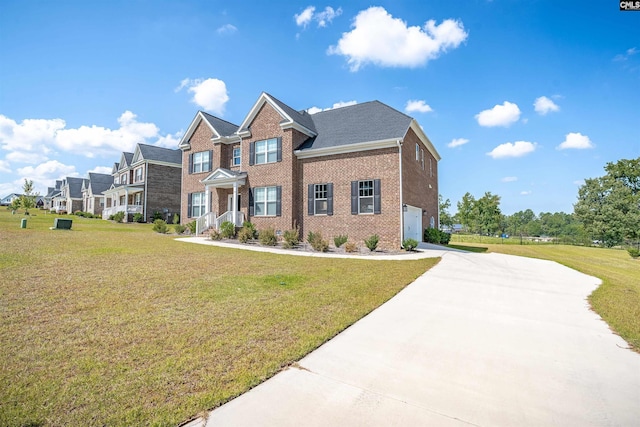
[(480, 340)]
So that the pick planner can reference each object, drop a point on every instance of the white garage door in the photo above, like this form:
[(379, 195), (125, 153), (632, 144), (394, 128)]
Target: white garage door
[(413, 223)]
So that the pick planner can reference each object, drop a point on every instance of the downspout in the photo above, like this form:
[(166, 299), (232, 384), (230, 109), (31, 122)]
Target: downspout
[(146, 181), (399, 142)]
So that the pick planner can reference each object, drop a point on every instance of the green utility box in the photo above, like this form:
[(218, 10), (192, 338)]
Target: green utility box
[(23, 223), (62, 224)]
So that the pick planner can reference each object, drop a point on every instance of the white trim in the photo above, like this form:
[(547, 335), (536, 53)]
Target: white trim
[(231, 139), (425, 140), (288, 122), (184, 141), (347, 148)]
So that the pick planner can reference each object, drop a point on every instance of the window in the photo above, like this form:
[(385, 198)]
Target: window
[(138, 175), (116, 180), (320, 199), (138, 199), (122, 201), (265, 201), (365, 197), (422, 158), (197, 205), (123, 179), (417, 152), (200, 162), (430, 168), (266, 151), (236, 157)]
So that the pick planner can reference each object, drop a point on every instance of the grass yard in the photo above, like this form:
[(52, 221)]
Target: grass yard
[(617, 300), (113, 324)]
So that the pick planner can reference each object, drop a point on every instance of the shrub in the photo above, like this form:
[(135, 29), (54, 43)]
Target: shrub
[(228, 230), (268, 237), (340, 240), (409, 244), (252, 228), (118, 216), (178, 228), (111, 217), (317, 242), (635, 253), (160, 226), (433, 235), (245, 234), (215, 235), (291, 238), (156, 215), (350, 247), (372, 242), (445, 238), (192, 227), (176, 218), (138, 217)]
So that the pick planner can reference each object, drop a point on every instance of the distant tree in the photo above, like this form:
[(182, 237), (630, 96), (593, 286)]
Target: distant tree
[(609, 206), (466, 212), (15, 204), (486, 212), (28, 198), (446, 220)]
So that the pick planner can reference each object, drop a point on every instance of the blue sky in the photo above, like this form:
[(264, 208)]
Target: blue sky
[(523, 99)]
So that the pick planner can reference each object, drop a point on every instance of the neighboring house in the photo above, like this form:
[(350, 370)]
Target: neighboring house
[(39, 202), (145, 181), (6, 201), (357, 170), (51, 193), (92, 197), (69, 199)]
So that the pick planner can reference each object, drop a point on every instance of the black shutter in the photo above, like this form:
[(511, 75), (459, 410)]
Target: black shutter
[(252, 153), (376, 196), (190, 168), (354, 197), (189, 205), (251, 202), (210, 160), (330, 199), (278, 200), (310, 198), (279, 153)]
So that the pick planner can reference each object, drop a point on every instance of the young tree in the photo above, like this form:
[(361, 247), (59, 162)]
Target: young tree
[(609, 206), (443, 208), (28, 198), (466, 212), (15, 204), (487, 213)]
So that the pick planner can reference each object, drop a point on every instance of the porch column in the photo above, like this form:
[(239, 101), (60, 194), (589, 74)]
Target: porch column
[(207, 199), (234, 203)]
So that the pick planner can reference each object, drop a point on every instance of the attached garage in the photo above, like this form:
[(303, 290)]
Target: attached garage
[(413, 223)]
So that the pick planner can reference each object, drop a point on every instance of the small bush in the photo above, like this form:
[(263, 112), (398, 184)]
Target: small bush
[(252, 228), (350, 247), (245, 234), (445, 238), (179, 229), (409, 244), (291, 238), (111, 217), (160, 226), (156, 215), (228, 230), (138, 217), (118, 216), (176, 218), (634, 252), (215, 235), (192, 227), (268, 237), (317, 242), (433, 235), (340, 240), (372, 242)]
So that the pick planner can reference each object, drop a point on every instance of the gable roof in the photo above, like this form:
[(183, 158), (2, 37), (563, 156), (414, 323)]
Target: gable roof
[(99, 182), (155, 153), (291, 118), (125, 160), (75, 187), (219, 128)]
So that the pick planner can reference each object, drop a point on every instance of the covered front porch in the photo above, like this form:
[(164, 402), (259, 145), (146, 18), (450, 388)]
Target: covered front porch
[(227, 200), (124, 198)]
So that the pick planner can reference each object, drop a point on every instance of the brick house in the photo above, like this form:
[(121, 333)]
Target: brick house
[(357, 170), (92, 188), (145, 181)]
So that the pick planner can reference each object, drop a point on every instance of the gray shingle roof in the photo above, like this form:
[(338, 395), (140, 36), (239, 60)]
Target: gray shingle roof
[(302, 118), (160, 154), (223, 127), (75, 187), (128, 157), (369, 121), (99, 182)]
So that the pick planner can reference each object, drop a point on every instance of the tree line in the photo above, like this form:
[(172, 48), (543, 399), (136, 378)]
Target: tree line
[(607, 210)]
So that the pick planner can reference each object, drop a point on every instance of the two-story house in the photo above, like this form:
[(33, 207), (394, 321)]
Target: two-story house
[(92, 188), (357, 170), (51, 193), (145, 182), (69, 198)]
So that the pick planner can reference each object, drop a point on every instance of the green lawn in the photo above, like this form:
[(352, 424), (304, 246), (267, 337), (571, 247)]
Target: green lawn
[(617, 300), (112, 324)]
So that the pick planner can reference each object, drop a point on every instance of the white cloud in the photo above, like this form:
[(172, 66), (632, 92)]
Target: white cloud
[(4, 166), (417, 106), (314, 109), (544, 105), (26, 157), (499, 115), (45, 174), (209, 94), (516, 149), (456, 142), (576, 141), (169, 140), (380, 39), (303, 19), (101, 169), (226, 29), (525, 193), (625, 56), (28, 135), (509, 179)]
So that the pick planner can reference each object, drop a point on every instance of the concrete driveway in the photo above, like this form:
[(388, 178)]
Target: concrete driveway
[(480, 339)]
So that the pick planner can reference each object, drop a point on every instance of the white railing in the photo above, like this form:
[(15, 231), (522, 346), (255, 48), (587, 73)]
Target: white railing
[(228, 216), (107, 212), (205, 222)]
